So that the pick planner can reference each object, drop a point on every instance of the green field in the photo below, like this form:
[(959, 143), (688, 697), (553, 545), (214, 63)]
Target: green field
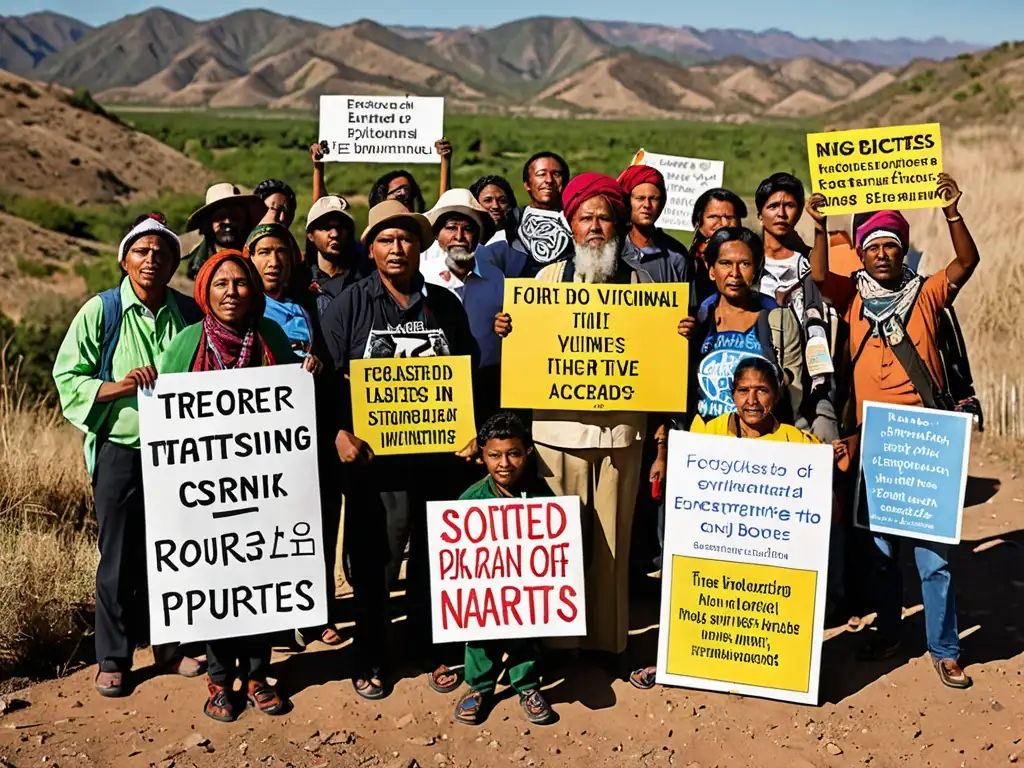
[(245, 148)]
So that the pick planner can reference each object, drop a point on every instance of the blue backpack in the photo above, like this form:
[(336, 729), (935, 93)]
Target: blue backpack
[(112, 311)]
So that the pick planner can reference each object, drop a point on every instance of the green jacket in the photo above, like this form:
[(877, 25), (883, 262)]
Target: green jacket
[(181, 353), (488, 489)]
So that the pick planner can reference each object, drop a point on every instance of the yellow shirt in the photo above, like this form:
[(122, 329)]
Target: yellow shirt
[(783, 433)]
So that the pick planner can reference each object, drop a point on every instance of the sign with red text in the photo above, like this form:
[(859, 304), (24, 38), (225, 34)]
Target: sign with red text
[(506, 568)]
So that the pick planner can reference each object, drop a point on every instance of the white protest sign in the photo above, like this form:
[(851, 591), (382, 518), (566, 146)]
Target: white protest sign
[(381, 129), (686, 179), (506, 568), (234, 545), (745, 564)]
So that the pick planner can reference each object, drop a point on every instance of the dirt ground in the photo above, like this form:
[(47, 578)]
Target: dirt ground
[(893, 713)]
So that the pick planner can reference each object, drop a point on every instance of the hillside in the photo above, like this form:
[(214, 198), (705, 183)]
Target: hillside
[(971, 88), (27, 41), (541, 65), (53, 147)]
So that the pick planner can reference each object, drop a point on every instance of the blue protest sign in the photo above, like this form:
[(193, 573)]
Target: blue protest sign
[(914, 470)]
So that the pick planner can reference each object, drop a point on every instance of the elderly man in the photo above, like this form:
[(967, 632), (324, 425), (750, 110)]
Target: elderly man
[(224, 221), (538, 234), (595, 455), (392, 313), (894, 316), (647, 246), (460, 223)]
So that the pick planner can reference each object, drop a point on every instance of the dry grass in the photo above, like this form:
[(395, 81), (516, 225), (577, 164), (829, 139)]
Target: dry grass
[(47, 551), (989, 166)]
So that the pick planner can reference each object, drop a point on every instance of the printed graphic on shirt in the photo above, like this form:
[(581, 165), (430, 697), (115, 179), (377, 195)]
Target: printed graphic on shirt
[(412, 339), (545, 234), (721, 352)]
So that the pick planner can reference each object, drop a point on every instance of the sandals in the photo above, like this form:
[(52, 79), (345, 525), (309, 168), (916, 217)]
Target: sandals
[(471, 709), (436, 679), (371, 686), (264, 698), (951, 675), (878, 648), (643, 678), (111, 685), (219, 707), (536, 707)]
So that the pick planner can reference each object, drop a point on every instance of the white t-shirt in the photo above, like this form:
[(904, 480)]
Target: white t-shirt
[(780, 274)]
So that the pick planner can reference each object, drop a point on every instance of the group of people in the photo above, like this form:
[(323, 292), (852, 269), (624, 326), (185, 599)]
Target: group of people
[(781, 348)]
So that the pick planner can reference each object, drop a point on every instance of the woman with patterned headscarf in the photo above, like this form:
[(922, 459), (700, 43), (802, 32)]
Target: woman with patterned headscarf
[(233, 334)]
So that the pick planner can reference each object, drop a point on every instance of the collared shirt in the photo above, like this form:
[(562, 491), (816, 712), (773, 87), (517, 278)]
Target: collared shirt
[(327, 288), (143, 338), (367, 321), (666, 260), (482, 295)]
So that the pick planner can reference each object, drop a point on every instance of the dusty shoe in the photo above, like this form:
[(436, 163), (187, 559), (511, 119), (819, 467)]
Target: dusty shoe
[(112, 685), (218, 705)]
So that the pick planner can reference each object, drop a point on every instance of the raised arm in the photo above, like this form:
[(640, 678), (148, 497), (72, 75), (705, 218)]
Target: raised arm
[(819, 251), (316, 154), (962, 267), (444, 149)]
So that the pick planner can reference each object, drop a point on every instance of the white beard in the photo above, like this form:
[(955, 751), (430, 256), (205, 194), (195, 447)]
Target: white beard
[(457, 256), (596, 264)]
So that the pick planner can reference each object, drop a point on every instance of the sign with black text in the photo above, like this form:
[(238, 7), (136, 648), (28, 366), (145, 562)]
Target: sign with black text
[(381, 129), (234, 545)]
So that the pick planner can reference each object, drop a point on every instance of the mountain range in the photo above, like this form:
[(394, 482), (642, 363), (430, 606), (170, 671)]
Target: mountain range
[(542, 65)]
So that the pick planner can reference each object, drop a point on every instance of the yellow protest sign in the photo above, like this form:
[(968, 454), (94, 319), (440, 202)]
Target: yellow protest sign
[(594, 347), (413, 405), (741, 623), (874, 169)]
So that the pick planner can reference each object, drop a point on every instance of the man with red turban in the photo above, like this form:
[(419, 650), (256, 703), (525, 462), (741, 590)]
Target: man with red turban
[(595, 454), (648, 247)]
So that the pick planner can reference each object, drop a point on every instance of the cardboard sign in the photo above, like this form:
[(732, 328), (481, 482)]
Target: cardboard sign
[(686, 179), (876, 169), (744, 570), (417, 405), (506, 568), (914, 471), (381, 129), (594, 347), (233, 536)]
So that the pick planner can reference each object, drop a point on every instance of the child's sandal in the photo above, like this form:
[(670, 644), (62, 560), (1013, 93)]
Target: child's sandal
[(265, 698), (469, 710)]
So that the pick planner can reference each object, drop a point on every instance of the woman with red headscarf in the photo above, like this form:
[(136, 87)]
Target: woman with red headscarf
[(646, 246), (233, 334)]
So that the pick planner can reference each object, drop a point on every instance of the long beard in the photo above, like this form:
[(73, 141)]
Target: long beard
[(458, 257), (596, 264)]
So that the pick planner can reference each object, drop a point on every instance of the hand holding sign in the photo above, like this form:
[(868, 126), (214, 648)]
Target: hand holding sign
[(814, 205), (950, 192)]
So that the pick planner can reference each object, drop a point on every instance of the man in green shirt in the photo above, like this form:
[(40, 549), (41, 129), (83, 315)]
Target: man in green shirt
[(506, 447), (101, 365)]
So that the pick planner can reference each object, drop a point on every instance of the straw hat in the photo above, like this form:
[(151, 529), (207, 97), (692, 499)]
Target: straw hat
[(325, 206), (222, 194), (393, 211), (462, 202)]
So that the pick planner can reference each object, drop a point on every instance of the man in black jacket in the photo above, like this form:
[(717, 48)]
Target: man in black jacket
[(393, 313)]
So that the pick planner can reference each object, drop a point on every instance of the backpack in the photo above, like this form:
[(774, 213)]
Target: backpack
[(959, 393), (112, 312)]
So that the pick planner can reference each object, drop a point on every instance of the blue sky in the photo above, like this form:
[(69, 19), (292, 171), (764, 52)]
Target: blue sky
[(976, 21)]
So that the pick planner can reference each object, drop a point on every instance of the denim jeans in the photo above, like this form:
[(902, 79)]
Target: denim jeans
[(936, 593)]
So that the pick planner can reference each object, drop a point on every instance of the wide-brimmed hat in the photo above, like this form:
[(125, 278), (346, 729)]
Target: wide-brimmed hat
[(325, 206), (223, 194), (394, 213), (462, 202)]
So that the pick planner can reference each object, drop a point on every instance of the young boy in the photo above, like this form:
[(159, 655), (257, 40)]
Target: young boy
[(505, 444)]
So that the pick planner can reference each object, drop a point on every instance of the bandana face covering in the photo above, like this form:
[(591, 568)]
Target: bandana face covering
[(545, 234), (888, 311)]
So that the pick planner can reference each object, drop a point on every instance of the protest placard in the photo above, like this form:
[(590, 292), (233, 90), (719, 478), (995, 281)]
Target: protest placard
[(413, 405), (594, 347), (233, 536), (381, 129), (686, 179), (913, 471), (874, 169), (744, 568), (506, 568)]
